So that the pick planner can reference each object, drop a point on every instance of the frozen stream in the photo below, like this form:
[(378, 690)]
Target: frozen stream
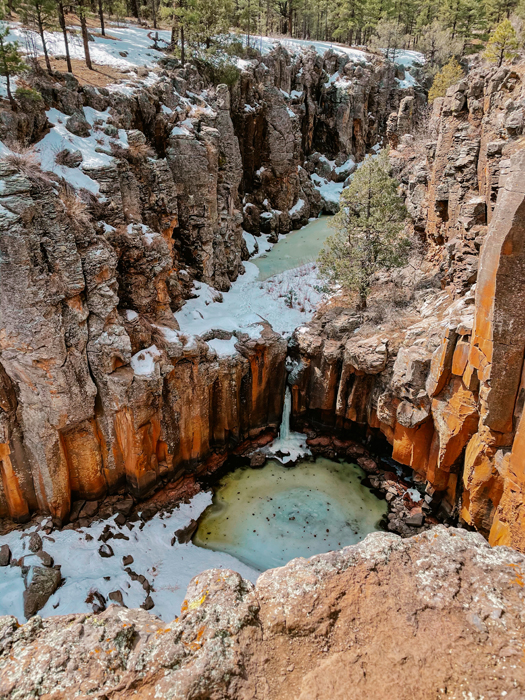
[(296, 248), (265, 517)]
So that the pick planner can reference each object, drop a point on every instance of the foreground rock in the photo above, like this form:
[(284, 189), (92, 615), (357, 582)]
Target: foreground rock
[(438, 615)]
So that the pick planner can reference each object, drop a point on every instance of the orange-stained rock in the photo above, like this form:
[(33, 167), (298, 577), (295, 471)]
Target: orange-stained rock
[(411, 446), (441, 364), (460, 358), (17, 505), (455, 416), (509, 523), (498, 339), (482, 482)]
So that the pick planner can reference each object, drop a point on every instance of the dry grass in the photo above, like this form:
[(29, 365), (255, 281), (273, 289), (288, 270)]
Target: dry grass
[(139, 151), (26, 162), (76, 207), (100, 77)]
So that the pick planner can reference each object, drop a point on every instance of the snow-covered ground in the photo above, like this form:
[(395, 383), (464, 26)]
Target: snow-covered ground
[(286, 301), (265, 44), (168, 568)]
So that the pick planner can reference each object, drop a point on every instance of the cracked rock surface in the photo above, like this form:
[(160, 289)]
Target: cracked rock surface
[(439, 615)]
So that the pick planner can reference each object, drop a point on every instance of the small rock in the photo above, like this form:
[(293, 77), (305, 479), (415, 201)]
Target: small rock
[(5, 555), (43, 584), (89, 510), (120, 519), (148, 603), (125, 507), (106, 551), (185, 534), (35, 542), (415, 520), (45, 558), (116, 597), (127, 560), (257, 460), (78, 125), (111, 131)]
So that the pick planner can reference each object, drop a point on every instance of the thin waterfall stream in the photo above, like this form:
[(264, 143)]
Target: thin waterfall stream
[(266, 516)]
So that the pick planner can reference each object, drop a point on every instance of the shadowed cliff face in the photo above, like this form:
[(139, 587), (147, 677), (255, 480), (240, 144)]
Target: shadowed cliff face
[(446, 389)]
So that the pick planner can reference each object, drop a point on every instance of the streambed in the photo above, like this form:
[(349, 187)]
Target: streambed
[(266, 517)]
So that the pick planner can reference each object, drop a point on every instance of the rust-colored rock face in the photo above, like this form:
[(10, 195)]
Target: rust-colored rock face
[(447, 391), (439, 610)]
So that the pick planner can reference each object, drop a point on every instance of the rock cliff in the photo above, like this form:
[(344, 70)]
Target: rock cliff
[(443, 381), (100, 245), (437, 615)]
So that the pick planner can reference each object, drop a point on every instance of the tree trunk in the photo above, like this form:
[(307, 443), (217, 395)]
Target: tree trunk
[(9, 93), (154, 11), (44, 46), (182, 47), (85, 38), (62, 22), (101, 15)]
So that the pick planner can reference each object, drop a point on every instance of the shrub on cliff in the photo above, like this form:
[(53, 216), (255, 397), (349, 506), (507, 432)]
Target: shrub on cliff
[(503, 44), (449, 75), (369, 229)]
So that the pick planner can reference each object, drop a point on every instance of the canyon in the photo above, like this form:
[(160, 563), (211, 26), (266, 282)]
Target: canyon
[(81, 295), (141, 349)]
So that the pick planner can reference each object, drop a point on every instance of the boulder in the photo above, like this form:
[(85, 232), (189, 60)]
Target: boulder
[(44, 582)]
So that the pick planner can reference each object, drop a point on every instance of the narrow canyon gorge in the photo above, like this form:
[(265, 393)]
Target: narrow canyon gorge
[(153, 334)]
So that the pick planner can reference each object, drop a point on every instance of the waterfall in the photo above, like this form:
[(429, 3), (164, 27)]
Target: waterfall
[(284, 430)]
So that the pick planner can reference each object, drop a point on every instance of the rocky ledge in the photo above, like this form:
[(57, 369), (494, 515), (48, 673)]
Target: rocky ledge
[(439, 615)]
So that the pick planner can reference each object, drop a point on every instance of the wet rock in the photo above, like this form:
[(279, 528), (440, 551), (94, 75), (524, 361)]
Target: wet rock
[(45, 558), (116, 597), (257, 460), (105, 550), (44, 582), (148, 604), (5, 555), (35, 542), (127, 560)]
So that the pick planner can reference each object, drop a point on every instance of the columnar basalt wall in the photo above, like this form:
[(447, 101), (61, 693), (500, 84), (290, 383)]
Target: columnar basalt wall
[(98, 389), (446, 391), (77, 419)]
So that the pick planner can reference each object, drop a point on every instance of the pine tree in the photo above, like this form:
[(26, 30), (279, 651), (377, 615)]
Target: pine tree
[(82, 8), (369, 229), (503, 44), (449, 75), (40, 16), (63, 27), (11, 62)]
